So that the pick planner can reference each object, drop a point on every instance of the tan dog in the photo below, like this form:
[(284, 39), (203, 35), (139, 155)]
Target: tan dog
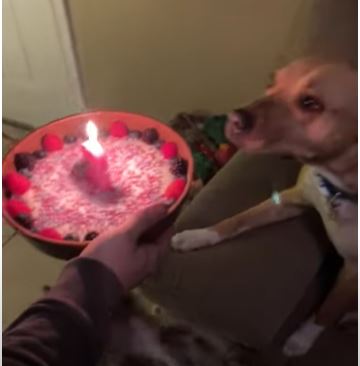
[(310, 112)]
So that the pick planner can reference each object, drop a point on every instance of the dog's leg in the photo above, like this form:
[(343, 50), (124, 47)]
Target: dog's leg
[(290, 204), (342, 298)]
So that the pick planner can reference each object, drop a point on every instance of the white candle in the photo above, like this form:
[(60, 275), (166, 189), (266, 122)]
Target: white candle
[(92, 145)]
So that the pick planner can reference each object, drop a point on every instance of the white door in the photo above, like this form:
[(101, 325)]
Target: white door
[(40, 79)]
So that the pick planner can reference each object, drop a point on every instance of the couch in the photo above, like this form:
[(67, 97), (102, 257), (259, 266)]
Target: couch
[(255, 289)]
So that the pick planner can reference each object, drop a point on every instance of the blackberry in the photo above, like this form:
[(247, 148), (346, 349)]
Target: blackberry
[(91, 235), (24, 220), (40, 154), (24, 161), (179, 167), (135, 134), (71, 237), (70, 139), (150, 135)]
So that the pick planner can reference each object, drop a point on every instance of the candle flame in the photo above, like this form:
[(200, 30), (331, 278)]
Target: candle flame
[(92, 144), (91, 130)]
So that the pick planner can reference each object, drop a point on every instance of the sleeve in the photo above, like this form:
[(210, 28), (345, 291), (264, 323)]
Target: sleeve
[(70, 325)]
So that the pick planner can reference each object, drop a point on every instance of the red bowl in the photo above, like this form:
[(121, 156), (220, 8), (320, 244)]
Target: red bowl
[(75, 125)]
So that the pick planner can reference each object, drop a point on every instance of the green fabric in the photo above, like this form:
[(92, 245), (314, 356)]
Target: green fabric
[(204, 145), (214, 129), (204, 168)]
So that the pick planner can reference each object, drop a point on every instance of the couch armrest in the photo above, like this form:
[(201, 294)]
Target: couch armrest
[(248, 287)]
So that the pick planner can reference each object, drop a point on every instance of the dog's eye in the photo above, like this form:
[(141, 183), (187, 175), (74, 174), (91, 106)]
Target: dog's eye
[(308, 103)]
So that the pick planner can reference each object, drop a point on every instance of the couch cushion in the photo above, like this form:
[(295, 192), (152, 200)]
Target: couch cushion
[(245, 288)]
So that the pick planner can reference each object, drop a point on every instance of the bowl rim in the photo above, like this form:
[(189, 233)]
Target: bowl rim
[(82, 244)]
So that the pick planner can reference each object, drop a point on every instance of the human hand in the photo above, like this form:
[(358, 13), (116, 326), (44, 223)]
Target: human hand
[(121, 252)]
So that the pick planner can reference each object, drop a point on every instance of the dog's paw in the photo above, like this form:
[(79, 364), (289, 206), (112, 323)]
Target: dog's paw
[(302, 340), (194, 239)]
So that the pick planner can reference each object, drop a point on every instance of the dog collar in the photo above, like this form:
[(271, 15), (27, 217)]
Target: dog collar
[(335, 192)]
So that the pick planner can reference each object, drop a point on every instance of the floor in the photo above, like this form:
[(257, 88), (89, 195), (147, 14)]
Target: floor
[(26, 270)]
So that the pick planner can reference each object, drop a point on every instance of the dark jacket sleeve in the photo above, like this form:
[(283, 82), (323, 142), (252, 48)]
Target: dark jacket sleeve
[(70, 325)]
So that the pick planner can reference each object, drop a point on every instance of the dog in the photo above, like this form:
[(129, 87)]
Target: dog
[(145, 334), (309, 111)]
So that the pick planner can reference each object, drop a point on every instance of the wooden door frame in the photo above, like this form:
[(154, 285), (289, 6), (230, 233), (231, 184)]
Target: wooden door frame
[(65, 33)]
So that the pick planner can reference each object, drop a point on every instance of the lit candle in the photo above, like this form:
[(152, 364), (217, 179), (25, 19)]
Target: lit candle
[(96, 170)]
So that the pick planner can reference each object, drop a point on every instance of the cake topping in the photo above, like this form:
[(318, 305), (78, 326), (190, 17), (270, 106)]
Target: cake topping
[(91, 235), (73, 237), (158, 144), (16, 183), (175, 189), (40, 154), (24, 220), (150, 135), (118, 129), (135, 134), (25, 172), (169, 150), (51, 142), (24, 161), (7, 193), (50, 233), (179, 167), (70, 139), (15, 207)]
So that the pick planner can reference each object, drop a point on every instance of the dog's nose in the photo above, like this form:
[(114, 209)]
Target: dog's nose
[(242, 119)]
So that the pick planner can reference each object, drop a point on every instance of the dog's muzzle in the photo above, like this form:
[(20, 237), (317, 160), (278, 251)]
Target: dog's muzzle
[(242, 120)]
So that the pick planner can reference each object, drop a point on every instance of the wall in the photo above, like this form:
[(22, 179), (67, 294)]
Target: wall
[(327, 28), (159, 57)]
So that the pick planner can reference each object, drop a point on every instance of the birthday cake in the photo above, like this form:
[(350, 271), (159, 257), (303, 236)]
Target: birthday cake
[(50, 193)]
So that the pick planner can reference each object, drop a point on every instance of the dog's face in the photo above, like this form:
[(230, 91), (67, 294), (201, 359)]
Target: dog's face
[(309, 111)]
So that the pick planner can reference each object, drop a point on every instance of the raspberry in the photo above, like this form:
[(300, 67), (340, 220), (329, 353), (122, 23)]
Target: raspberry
[(150, 135), (169, 150), (179, 167), (51, 142), (16, 183), (118, 129), (15, 207), (50, 233), (175, 189), (24, 161)]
